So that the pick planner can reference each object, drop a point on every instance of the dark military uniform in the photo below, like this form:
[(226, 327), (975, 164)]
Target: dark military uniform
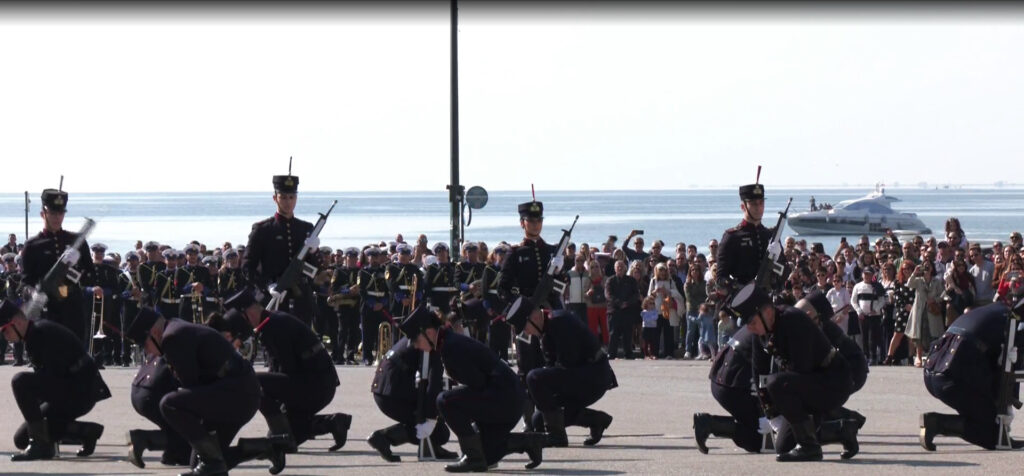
[(346, 304), (401, 280), (394, 390), (273, 243), (499, 335), (373, 290), (743, 247), (106, 350), (963, 370), (465, 274), (441, 285), (131, 297), (732, 385), (154, 380), (230, 281), (193, 306), (168, 297), (576, 376), (150, 282), (64, 385), (66, 304)]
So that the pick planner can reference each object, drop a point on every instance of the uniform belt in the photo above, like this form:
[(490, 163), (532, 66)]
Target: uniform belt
[(310, 352), (492, 291), (444, 289), (211, 299), (828, 358), (375, 293), (169, 301), (403, 287)]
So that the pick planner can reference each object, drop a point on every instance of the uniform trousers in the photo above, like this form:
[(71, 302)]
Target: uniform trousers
[(59, 400), (494, 409), (298, 397)]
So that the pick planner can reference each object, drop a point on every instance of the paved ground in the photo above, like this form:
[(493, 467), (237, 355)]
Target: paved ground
[(651, 433)]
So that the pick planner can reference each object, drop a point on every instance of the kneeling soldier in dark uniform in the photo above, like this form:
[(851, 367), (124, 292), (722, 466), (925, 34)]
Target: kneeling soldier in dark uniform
[(815, 378), (302, 379), (219, 392), (576, 376), (64, 385), (394, 390), (487, 403), (154, 380), (963, 370), (732, 385)]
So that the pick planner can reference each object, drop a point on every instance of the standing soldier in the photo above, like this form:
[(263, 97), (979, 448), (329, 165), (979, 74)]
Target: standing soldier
[(302, 379), (105, 308), (131, 297), (230, 279), (325, 321), (65, 303), (468, 274), (64, 385), (168, 296), (404, 278), (192, 282), (344, 297), (373, 292), (524, 267), (440, 279), (499, 335), (149, 274), (743, 247), (274, 242)]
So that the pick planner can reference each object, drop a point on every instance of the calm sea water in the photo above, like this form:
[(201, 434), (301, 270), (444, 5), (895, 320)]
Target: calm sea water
[(691, 216)]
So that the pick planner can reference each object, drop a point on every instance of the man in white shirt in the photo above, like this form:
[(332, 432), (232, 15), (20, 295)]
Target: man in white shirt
[(981, 271), (867, 300)]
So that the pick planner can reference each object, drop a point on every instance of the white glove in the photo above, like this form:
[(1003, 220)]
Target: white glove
[(313, 243), (423, 430), (70, 256), (558, 261), (776, 422), (274, 293), (764, 427), (775, 249)]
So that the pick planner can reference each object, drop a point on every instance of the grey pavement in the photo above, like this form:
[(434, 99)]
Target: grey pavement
[(651, 434)]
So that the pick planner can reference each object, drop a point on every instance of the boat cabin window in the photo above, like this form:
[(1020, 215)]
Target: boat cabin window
[(869, 207)]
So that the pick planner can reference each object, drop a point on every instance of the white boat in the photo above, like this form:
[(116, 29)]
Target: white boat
[(868, 215)]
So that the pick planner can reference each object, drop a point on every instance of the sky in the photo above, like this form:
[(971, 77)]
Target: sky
[(566, 96)]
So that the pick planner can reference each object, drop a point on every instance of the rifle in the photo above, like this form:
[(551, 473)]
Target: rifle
[(1008, 383), (426, 449), (298, 266), (548, 283), (57, 273), (771, 266)]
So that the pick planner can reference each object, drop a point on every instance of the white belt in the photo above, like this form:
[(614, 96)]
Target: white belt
[(403, 288), (492, 291), (169, 301), (443, 289), (375, 293), (211, 299)]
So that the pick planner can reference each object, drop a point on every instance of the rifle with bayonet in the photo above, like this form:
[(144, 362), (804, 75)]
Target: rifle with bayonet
[(771, 272), (60, 271), (548, 283), (298, 265)]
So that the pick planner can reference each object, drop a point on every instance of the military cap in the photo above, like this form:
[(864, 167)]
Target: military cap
[(470, 245), (169, 253), (440, 245), (7, 312), (754, 191), (241, 300), (519, 312), (151, 246), (190, 248), (286, 183), (747, 302), (138, 331), (102, 248), (418, 321), (351, 251), (372, 251), (55, 200), (110, 260), (180, 254), (231, 253), (131, 255), (820, 303), (208, 260), (533, 209), (326, 250), (236, 323), (404, 249)]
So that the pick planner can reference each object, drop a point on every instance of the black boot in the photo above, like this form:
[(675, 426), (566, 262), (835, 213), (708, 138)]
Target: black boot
[(39, 444), (336, 424), (841, 431), (705, 425), (280, 431), (142, 440), (383, 440), (528, 410), (530, 443), (596, 421), (209, 456), (443, 454), (260, 448), (21, 437), (555, 422), (807, 446), (933, 424), (472, 460), (86, 433)]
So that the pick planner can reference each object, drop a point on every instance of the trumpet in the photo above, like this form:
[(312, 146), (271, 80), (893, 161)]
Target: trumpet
[(97, 310), (384, 340)]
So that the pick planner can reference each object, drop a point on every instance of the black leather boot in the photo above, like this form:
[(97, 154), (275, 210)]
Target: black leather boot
[(260, 448), (143, 440), (280, 431), (807, 446), (472, 460), (555, 422), (383, 440), (336, 424), (86, 433), (841, 431), (933, 424), (596, 421), (705, 425), (530, 443), (39, 444), (210, 458)]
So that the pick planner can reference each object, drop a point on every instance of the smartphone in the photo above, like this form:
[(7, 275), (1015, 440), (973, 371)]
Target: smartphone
[(638, 232)]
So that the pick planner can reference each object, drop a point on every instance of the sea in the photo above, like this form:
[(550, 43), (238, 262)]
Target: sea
[(691, 216)]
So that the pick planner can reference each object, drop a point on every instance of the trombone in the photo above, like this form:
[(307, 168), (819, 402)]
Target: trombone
[(384, 340), (97, 309)]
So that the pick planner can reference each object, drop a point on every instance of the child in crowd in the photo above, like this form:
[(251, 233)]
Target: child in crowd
[(708, 341), (650, 317), (726, 328)]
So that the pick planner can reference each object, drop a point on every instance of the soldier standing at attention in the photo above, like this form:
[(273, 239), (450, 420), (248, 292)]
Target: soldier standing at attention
[(344, 297), (65, 303), (441, 279), (274, 242), (373, 292), (743, 247)]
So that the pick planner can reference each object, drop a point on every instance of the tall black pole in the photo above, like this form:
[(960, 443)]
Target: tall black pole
[(454, 188)]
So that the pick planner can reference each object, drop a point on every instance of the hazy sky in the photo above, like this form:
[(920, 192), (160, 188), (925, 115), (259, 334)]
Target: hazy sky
[(567, 96)]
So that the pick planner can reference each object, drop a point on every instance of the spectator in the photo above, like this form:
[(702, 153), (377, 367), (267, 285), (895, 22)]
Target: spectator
[(960, 291), (982, 270), (11, 246), (925, 321), (708, 341), (623, 297), (671, 306), (597, 307), (650, 318), (637, 253), (577, 288), (696, 290), (839, 297), (868, 300)]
